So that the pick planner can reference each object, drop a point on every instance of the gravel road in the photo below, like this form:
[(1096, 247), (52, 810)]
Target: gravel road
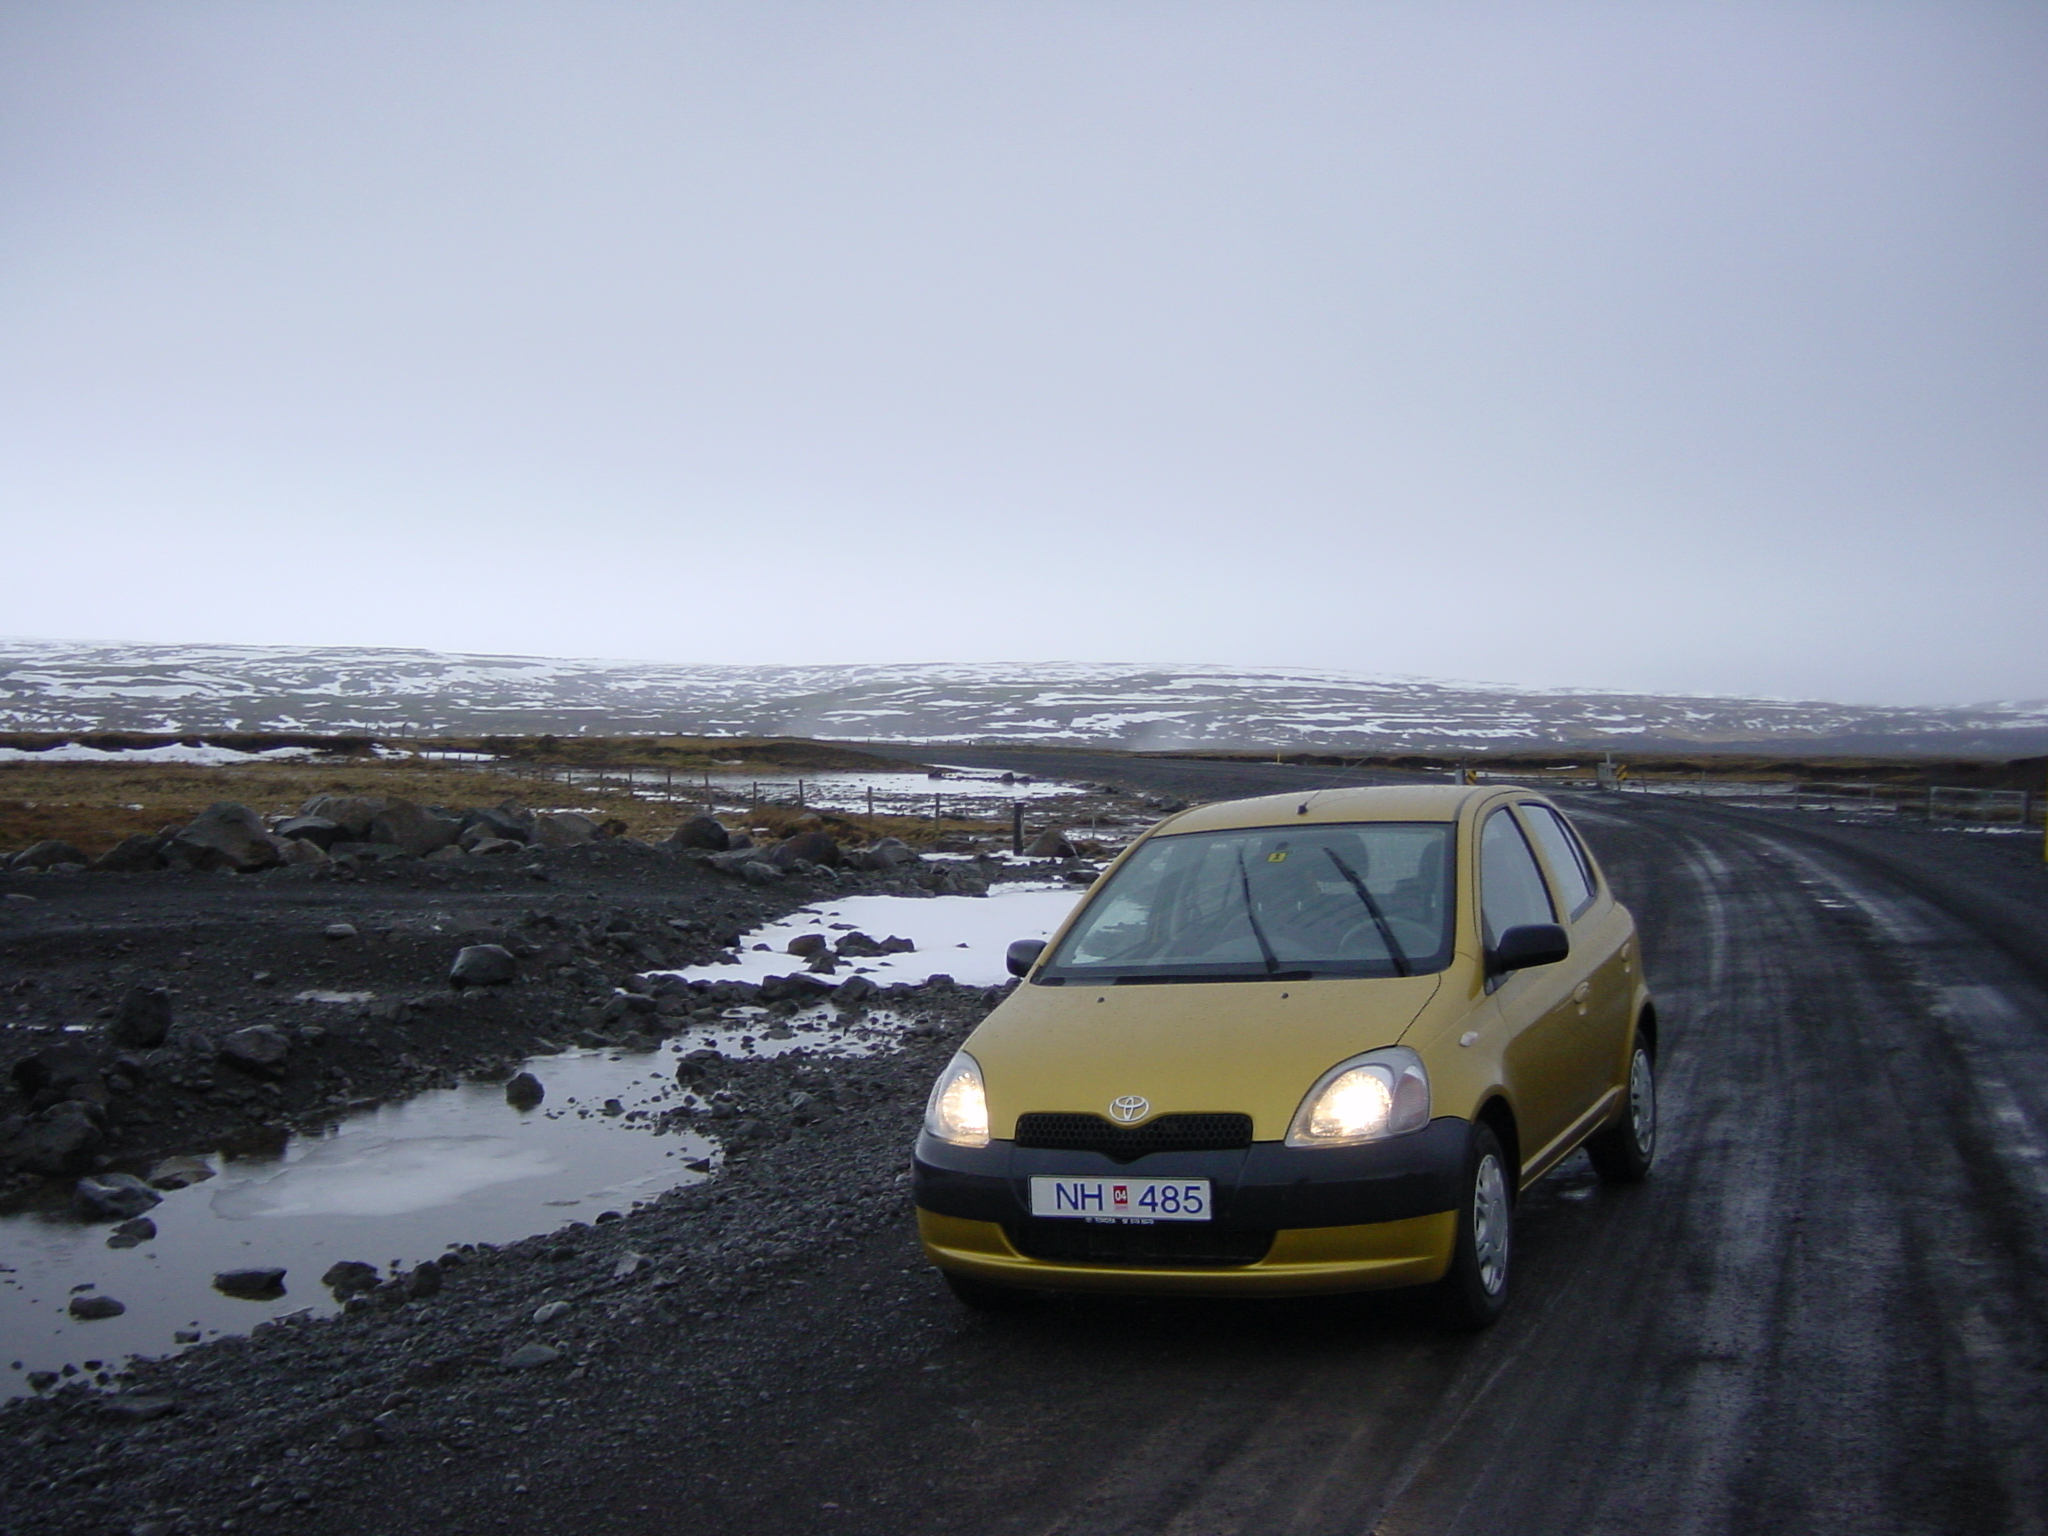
[(1825, 1311)]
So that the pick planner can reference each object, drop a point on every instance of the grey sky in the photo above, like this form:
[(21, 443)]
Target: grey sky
[(1683, 347)]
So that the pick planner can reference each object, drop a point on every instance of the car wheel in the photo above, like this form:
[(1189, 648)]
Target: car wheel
[(1622, 1153), (982, 1296), (1475, 1290)]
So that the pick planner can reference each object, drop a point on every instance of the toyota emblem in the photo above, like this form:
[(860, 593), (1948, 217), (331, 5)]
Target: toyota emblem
[(1130, 1108)]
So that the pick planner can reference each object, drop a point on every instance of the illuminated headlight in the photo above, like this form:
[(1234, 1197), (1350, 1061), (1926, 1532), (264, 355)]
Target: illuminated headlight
[(1370, 1097), (958, 1108)]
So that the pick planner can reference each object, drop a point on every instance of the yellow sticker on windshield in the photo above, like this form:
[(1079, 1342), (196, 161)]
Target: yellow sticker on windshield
[(1277, 858)]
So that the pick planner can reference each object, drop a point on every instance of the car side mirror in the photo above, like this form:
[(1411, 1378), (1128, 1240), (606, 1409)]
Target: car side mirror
[(1023, 955), (1530, 944)]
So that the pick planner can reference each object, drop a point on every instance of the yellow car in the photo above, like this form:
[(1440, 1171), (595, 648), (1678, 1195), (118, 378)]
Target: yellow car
[(1305, 1043)]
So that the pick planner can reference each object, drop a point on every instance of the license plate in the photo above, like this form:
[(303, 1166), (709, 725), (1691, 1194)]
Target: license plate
[(1137, 1200)]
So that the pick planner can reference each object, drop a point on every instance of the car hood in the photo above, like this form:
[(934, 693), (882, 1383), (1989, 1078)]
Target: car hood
[(1232, 1047)]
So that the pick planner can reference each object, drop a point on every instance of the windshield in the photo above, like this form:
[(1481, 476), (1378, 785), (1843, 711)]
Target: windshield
[(1282, 903)]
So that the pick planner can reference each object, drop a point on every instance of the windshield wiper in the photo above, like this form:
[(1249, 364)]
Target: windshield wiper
[(1244, 884), (1379, 918)]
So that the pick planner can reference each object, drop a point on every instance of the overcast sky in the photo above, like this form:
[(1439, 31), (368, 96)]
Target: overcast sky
[(1682, 347)]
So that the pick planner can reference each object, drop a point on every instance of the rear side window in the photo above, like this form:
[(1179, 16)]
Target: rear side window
[(1511, 891), (1561, 851)]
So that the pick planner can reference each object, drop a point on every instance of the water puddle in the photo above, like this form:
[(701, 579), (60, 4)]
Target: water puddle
[(391, 1186)]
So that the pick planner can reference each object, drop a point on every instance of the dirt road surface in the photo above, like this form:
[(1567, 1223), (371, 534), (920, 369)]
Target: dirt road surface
[(1827, 1311)]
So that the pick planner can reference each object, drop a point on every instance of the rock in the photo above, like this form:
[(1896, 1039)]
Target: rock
[(56, 1069), (413, 828), (348, 1277), (424, 1281), (808, 944), (801, 988), (91, 1308), (141, 1228), (562, 829), (507, 824), (485, 847), (823, 963), (1049, 845), (700, 831), (113, 1197), (889, 853), (352, 813), (321, 831), (51, 851), (760, 872), (339, 931), (528, 1356), (261, 1049), (895, 945), (482, 965), (138, 1409), (177, 1172), (808, 848), (366, 853), (61, 1139), (143, 850), (548, 1312), (524, 1091), (250, 1284), (854, 991), (449, 855), (225, 836), (359, 1437), (628, 1265), (297, 850), (143, 1019)]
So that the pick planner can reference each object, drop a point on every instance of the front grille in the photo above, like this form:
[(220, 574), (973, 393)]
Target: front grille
[(1161, 1245), (1169, 1133)]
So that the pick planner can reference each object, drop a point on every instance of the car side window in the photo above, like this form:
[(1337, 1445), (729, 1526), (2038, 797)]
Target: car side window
[(1511, 890), (1561, 851)]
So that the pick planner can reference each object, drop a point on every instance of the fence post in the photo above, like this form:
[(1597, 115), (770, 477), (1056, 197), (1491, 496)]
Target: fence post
[(1017, 826)]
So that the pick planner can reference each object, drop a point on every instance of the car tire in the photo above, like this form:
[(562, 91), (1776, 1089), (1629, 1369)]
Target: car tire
[(1474, 1292), (1623, 1151), (984, 1297)]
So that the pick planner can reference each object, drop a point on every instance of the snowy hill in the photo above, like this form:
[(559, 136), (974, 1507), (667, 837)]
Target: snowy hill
[(55, 686)]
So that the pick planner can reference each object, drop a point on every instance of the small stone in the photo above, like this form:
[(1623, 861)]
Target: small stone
[(143, 1019), (141, 1228), (808, 944), (483, 965), (261, 1049), (359, 1437), (177, 1172), (185, 1336), (423, 1282), (340, 930), (90, 1308), (548, 1312), (136, 1410), (113, 1196), (250, 1284), (529, 1356), (524, 1091), (348, 1276), (631, 1264)]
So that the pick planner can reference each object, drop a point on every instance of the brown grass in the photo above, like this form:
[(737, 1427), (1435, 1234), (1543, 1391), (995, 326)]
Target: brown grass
[(94, 805)]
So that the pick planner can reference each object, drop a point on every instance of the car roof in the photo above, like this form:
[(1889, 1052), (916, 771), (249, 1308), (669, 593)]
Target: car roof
[(1399, 802)]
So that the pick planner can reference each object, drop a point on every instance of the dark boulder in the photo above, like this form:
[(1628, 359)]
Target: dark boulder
[(320, 831), (505, 825), (113, 1197), (224, 836), (483, 965), (800, 988), (562, 829), (65, 1138), (705, 832), (416, 829), (92, 1308), (260, 1049), (524, 1091), (809, 944), (58, 1068), (48, 853), (350, 1277), (808, 848), (143, 1019), (854, 991), (250, 1284), (1049, 845), (132, 855), (352, 813)]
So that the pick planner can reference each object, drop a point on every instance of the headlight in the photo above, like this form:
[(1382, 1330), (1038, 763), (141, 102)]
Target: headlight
[(1370, 1097), (958, 1108)]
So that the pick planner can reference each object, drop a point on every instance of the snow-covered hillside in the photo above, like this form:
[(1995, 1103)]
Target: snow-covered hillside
[(55, 686)]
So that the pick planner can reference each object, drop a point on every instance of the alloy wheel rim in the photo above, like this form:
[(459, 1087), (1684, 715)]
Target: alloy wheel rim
[(1490, 1218), (1642, 1103)]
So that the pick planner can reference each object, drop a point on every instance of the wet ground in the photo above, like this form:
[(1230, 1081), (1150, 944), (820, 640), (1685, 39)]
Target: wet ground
[(1825, 1311)]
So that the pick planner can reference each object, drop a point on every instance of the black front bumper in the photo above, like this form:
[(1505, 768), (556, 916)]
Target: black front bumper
[(1266, 1187)]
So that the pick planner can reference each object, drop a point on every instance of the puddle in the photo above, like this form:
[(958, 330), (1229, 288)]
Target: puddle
[(963, 937), (393, 1185)]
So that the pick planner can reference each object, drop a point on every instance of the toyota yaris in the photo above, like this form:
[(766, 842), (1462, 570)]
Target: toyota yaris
[(1305, 1043)]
